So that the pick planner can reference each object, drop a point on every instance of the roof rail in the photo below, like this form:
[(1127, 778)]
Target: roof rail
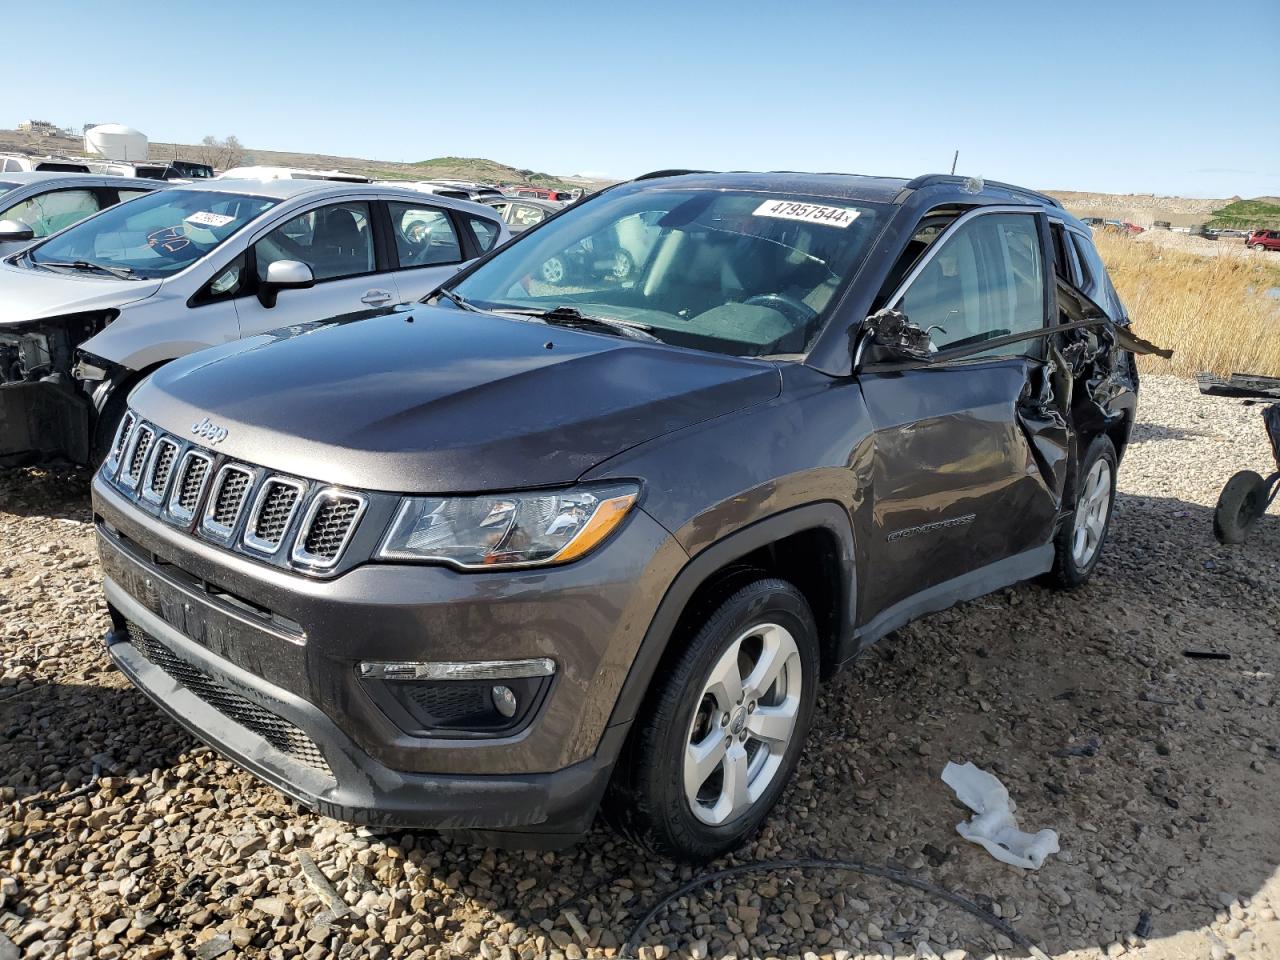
[(655, 174), (935, 179)]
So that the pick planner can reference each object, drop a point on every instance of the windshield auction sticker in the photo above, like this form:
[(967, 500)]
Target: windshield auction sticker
[(809, 212), (206, 219)]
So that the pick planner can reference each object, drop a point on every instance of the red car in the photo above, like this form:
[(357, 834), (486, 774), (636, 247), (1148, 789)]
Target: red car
[(1263, 240)]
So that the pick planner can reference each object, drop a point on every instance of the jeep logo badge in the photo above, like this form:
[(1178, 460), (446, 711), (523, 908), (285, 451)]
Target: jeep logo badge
[(206, 429)]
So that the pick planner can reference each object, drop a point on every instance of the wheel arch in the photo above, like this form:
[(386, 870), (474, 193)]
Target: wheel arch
[(811, 547)]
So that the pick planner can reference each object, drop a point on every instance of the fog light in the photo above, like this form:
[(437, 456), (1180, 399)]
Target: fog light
[(504, 701)]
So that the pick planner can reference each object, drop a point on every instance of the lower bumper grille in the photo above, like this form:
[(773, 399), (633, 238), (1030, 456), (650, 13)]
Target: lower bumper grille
[(278, 732)]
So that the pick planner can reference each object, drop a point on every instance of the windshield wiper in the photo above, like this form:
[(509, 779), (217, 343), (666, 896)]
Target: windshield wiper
[(458, 300), (124, 273), (566, 316)]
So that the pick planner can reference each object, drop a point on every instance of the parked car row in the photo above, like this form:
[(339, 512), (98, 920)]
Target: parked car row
[(158, 170), (34, 205), (428, 528), (88, 311)]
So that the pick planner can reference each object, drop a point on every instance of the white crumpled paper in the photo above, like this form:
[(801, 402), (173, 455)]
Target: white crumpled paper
[(993, 824)]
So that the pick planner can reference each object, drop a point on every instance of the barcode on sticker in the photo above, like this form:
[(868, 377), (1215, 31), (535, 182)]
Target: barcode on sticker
[(206, 219), (809, 212)]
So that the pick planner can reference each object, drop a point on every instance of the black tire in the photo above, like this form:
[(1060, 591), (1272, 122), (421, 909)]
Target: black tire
[(1070, 569), (647, 799), (1240, 505)]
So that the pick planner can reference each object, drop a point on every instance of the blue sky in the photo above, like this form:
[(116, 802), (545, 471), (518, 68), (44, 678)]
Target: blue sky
[(1167, 97)]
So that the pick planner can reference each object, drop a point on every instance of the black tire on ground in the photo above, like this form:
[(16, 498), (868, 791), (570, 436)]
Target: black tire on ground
[(647, 799), (1070, 567), (1240, 505)]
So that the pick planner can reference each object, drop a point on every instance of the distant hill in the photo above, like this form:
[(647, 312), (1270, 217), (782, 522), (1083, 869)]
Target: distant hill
[(460, 168), (1244, 214)]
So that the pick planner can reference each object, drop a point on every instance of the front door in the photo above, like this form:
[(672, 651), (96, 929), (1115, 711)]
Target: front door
[(967, 467), (337, 242)]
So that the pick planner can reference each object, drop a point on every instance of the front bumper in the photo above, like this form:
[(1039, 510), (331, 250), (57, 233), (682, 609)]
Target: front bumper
[(290, 708)]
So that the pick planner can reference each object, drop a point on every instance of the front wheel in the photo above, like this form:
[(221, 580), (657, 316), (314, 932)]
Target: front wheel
[(1079, 542), (1241, 504), (1259, 247), (722, 732)]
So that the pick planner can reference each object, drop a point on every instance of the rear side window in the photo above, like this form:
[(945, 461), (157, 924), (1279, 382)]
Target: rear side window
[(985, 281), (1095, 281), (424, 235), (486, 232)]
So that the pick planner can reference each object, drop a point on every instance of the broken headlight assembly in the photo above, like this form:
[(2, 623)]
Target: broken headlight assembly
[(507, 530)]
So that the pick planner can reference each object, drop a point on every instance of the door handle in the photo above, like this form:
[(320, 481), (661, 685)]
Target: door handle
[(376, 297)]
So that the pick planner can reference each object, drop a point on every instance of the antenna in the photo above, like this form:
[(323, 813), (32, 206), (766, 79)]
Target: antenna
[(954, 158)]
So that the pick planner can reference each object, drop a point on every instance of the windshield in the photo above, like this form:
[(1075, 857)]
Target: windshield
[(154, 235), (736, 272), (6, 186)]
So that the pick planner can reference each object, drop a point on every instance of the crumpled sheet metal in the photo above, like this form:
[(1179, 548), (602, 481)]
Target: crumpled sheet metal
[(993, 824)]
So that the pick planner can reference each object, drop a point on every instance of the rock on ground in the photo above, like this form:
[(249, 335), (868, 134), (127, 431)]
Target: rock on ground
[(1159, 772)]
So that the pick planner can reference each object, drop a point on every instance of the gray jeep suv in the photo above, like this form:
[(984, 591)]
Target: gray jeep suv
[(489, 561)]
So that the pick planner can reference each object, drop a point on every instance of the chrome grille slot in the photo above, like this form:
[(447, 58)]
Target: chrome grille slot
[(162, 461), (277, 731), (122, 439), (193, 471), (273, 511), (138, 450), (227, 499), (329, 524)]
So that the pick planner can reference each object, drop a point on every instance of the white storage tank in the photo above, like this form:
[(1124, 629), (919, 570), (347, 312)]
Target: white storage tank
[(115, 142)]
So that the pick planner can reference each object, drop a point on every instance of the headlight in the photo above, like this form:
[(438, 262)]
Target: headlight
[(509, 529)]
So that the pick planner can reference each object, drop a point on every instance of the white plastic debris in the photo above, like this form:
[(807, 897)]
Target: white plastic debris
[(993, 824)]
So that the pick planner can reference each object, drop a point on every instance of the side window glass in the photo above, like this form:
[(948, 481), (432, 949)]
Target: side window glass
[(526, 215), (130, 194), (227, 283), (424, 235), (334, 241), (50, 212), (1095, 281), (985, 281), (486, 232)]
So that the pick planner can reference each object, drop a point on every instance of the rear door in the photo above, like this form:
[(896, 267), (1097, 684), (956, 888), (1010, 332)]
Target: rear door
[(968, 462)]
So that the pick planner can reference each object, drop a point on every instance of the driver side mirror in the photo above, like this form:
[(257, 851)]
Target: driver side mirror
[(15, 231), (284, 275), (889, 336)]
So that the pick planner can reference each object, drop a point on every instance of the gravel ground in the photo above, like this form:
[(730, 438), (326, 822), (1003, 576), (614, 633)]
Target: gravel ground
[(1159, 771)]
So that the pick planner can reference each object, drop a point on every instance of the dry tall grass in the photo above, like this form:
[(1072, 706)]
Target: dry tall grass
[(1212, 311)]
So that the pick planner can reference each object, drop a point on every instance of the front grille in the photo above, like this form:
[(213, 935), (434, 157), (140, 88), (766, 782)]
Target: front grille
[(329, 525), (141, 446), (195, 470), (277, 731), (122, 438), (230, 489), (272, 513), (161, 468)]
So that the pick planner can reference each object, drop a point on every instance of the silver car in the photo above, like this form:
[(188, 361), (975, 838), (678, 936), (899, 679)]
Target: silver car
[(88, 312), (35, 205)]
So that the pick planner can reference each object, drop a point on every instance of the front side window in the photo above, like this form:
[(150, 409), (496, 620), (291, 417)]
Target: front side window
[(1094, 280), (424, 235), (155, 235), (525, 215), (131, 194), (334, 241), (985, 281), (49, 212), (738, 272)]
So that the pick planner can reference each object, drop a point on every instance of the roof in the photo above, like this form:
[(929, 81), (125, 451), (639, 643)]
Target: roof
[(40, 176), (289, 189), (844, 186)]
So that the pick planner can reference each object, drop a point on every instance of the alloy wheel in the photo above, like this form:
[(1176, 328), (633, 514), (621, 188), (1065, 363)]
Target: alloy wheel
[(744, 721), (1092, 510)]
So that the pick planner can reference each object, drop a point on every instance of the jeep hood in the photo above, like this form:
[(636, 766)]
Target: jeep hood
[(32, 294), (434, 400)]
